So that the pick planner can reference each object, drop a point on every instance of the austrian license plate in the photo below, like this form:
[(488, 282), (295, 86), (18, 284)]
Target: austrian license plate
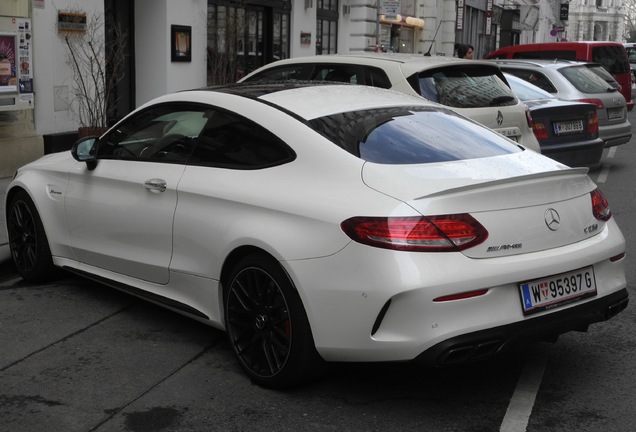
[(567, 127), (512, 133), (555, 291), (614, 113)]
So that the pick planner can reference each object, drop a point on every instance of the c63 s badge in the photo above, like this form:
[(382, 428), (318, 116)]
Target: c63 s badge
[(504, 247)]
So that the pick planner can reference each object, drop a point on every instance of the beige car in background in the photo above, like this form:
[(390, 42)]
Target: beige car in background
[(473, 88)]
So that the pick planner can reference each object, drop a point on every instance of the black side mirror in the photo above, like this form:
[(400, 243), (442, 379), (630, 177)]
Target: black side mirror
[(85, 150)]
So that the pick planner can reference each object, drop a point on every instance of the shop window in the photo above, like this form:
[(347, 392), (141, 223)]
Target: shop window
[(242, 38), (280, 37)]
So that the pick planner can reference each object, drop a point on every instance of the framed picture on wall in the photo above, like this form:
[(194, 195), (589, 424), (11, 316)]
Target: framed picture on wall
[(181, 43)]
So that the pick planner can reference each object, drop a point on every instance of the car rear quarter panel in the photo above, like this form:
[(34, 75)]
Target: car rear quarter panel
[(292, 211), (343, 302)]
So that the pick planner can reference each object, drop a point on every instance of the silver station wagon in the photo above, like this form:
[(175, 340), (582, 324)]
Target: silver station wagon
[(583, 82)]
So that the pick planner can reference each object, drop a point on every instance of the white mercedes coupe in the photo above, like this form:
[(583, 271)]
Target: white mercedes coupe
[(318, 223)]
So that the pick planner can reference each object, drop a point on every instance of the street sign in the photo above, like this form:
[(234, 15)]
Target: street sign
[(390, 9)]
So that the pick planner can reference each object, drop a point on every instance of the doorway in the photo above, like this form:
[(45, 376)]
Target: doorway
[(121, 13)]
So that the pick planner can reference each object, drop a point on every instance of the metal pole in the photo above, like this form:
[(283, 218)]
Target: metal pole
[(377, 27)]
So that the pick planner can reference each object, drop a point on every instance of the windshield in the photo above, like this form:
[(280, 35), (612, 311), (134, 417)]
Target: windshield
[(526, 91), (411, 135), (465, 87)]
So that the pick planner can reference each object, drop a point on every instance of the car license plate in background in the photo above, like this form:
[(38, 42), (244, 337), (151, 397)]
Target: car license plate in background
[(512, 133), (566, 127), (614, 113), (551, 292)]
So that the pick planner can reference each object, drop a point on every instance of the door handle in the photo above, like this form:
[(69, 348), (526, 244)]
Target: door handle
[(155, 185)]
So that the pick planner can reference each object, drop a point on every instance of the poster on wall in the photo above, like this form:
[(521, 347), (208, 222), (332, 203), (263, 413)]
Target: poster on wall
[(8, 77), (459, 19), (489, 14), (24, 60), (16, 72), (181, 46)]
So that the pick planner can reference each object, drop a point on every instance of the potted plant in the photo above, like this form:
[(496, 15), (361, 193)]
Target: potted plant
[(97, 63)]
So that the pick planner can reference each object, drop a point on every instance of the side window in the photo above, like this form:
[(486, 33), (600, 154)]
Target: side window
[(164, 133), (338, 73), (376, 77), (231, 141), (283, 73)]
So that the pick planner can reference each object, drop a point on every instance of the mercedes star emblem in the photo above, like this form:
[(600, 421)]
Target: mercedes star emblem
[(552, 219)]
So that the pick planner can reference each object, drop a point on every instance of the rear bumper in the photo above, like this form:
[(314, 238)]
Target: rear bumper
[(576, 154), (487, 343), (617, 141), (616, 134)]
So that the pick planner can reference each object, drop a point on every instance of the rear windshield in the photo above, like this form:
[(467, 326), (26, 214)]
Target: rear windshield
[(603, 73), (612, 58), (585, 79), (631, 53), (411, 135), (465, 87)]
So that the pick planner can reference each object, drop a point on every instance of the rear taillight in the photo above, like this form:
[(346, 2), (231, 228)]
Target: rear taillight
[(540, 131), (529, 118), (597, 102), (600, 206), (447, 233), (592, 124)]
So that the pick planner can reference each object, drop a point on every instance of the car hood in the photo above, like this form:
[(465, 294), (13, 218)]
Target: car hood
[(511, 196)]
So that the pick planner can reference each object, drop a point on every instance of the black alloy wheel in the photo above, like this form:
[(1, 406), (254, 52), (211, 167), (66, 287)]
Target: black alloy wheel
[(267, 325), (27, 240)]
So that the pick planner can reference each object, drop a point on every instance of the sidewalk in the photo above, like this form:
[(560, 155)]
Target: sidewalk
[(4, 238)]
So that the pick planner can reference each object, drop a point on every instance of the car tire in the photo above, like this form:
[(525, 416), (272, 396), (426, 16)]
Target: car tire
[(27, 240), (267, 325)]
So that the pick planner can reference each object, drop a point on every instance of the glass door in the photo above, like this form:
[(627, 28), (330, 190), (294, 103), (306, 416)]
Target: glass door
[(254, 49)]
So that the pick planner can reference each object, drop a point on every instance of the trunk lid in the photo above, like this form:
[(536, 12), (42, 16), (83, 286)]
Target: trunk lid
[(526, 202)]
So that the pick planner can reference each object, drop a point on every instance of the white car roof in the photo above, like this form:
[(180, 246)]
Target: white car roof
[(309, 100), (331, 99), (408, 63)]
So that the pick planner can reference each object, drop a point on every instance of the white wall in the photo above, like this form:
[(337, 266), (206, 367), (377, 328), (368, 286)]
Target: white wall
[(302, 21), (52, 78), (155, 73)]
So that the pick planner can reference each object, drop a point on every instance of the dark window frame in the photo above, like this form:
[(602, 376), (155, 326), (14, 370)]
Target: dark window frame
[(183, 149)]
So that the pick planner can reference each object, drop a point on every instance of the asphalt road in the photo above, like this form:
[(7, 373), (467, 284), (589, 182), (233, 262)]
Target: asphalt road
[(77, 356)]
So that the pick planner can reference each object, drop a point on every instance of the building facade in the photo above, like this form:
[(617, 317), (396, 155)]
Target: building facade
[(172, 45)]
